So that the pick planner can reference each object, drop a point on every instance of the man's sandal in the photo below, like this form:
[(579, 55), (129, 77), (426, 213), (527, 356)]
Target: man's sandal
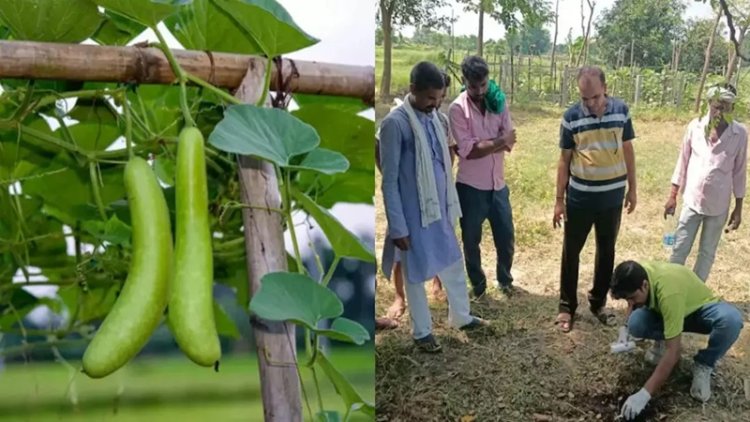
[(428, 344), (565, 322)]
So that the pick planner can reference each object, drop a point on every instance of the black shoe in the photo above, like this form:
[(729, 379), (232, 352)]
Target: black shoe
[(508, 291), (475, 323), (428, 344)]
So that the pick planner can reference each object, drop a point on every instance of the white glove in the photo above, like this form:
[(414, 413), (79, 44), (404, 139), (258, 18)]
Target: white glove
[(623, 337), (623, 343), (635, 404)]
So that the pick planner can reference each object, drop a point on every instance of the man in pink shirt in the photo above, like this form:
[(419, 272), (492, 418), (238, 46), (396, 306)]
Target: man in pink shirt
[(481, 125), (711, 167)]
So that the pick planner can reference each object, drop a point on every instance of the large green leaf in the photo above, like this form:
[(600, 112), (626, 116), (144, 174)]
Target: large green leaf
[(204, 26), (114, 231), (344, 388), (159, 107), (323, 161), (225, 326), (294, 297), (345, 104), (146, 12), (345, 329), (343, 132), (344, 243), (68, 188), (15, 306), (91, 304), (352, 186), (117, 30), (267, 133), (271, 26), (70, 21)]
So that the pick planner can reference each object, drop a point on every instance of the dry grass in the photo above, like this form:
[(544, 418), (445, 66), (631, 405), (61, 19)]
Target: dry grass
[(520, 368)]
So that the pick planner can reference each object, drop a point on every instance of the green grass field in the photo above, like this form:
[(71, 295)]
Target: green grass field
[(164, 389)]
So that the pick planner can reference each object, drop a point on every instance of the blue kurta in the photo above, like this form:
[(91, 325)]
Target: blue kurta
[(432, 248)]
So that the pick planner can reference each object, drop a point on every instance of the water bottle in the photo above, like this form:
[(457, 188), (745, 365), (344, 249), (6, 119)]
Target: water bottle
[(668, 239)]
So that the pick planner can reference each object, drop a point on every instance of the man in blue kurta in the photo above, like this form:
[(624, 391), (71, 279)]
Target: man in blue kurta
[(421, 205)]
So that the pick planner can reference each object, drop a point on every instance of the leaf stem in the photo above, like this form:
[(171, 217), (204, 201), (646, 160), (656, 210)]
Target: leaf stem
[(266, 83), (97, 193), (181, 77), (223, 94), (331, 269), (290, 223)]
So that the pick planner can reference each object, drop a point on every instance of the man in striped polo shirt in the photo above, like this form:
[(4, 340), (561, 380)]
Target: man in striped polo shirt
[(596, 164)]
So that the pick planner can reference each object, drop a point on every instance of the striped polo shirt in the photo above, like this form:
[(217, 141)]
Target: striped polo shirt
[(598, 174)]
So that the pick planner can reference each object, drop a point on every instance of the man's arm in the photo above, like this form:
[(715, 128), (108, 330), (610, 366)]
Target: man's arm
[(563, 174), (631, 198), (390, 155), (739, 181), (666, 365), (680, 171), (470, 147)]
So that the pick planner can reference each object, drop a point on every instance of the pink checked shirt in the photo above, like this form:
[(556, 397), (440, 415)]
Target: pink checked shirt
[(708, 174), (469, 126)]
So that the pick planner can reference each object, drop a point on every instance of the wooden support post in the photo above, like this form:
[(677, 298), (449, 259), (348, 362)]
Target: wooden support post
[(637, 94), (264, 246)]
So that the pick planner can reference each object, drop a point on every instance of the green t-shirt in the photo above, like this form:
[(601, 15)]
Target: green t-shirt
[(675, 292)]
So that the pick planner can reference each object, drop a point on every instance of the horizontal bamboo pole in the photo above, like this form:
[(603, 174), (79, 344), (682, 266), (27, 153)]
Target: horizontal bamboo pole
[(81, 62)]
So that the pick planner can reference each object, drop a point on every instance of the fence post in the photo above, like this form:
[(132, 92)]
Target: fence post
[(528, 77), (680, 90), (637, 95)]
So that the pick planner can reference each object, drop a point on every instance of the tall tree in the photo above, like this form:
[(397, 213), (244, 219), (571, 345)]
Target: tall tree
[(583, 54), (707, 62), (649, 26), (506, 13), (393, 14), (741, 11), (693, 47), (554, 40)]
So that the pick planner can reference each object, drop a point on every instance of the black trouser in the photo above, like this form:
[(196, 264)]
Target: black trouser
[(606, 226), (476, 207)]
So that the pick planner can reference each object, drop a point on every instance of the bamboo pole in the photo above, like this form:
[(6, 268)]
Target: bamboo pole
[(265, 252), (148, 65)]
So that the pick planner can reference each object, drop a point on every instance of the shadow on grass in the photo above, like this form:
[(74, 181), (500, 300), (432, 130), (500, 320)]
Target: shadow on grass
[(521, 368)]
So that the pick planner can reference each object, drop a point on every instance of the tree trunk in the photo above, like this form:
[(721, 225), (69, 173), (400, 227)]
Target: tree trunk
[(733, 57), (387, 26), (553, 68), (480, 36), (585, 31), (706, 63), (95, 63), (264, 245)]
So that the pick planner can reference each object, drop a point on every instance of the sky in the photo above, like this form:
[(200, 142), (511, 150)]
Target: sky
[(570, 17), (346, 37)]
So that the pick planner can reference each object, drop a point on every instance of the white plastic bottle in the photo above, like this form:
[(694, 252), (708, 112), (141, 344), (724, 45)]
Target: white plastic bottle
[(668, 238)]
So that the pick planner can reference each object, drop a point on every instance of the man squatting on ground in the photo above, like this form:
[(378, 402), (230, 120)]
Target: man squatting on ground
[(665, 300)]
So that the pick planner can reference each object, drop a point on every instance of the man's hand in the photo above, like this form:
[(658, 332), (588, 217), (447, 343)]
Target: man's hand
[(508, 140), (559, 214), (734, 220), (670, 206), (630, 200), (402, 243), (635, 404)]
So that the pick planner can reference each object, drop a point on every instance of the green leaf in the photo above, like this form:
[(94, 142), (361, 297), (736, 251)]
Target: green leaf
[(268, 133), (344, 104), (164, 169), (234, 275), (328, 416), (344, 243), (225, 326), (68, 188), (114, 231), (270, 25), (159, 107), (344, 388), (15, 307), (294, 297), (146, 12), (117, 30), (352, 186), (92, 304), (345, 329), (323, 161), (343, 132), (69, 21), (204, 26)]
